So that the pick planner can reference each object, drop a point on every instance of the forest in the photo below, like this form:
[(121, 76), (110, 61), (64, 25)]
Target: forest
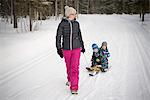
[(44, 9), (104, 45)]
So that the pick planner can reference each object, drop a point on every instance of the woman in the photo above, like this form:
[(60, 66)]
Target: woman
[(69, 45)]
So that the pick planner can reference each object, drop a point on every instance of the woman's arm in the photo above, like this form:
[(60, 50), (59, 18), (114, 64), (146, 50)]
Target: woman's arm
[(59, 36), (80, 37)]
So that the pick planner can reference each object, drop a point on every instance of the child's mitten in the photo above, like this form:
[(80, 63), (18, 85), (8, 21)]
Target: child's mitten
[(97, 60)]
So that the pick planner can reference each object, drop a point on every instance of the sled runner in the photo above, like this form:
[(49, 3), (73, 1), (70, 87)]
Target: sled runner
[(96, 69)]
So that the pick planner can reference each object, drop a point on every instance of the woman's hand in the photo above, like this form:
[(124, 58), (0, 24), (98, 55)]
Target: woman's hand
[(60, 52), (83, 50)]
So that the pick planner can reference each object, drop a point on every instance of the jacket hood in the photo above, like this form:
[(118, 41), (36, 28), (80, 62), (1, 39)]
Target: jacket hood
[(66, 19)]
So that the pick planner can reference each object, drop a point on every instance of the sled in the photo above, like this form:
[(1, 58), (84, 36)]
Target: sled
[(94, 68), (96, 71)]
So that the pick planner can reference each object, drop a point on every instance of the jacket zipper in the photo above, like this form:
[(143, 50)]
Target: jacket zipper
[(70, 34)]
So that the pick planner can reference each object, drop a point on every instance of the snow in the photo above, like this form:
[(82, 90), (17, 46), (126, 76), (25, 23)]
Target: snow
[(30, 68)]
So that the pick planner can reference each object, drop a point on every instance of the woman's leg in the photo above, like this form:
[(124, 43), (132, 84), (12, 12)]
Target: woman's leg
[(75, 60), (67, 56)]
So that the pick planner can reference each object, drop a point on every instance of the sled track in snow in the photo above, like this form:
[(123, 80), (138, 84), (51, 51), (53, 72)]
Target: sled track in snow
[(31, 89), (26, 66), (143, 54), (140, 43)]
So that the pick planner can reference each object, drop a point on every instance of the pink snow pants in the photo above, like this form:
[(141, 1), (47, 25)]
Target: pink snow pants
[(72, 60)]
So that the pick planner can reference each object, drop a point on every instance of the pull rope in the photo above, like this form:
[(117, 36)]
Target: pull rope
[(86, 60)]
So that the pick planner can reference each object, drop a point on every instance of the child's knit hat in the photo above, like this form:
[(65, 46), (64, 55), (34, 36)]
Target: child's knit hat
[(69, 11), (104, 44), (94, 46)]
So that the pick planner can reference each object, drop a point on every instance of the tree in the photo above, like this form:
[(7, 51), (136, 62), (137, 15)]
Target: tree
[(142, 9), (14, 14), (42, 9), (30, 14), (62, 7), (56, 9)]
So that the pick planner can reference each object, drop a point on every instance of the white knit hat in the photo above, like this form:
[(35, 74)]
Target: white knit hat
[(69, 11)]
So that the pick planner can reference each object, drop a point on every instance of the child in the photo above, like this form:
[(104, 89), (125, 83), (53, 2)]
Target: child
[(104, 57), (96, 55), (99, 58), (96, 59)]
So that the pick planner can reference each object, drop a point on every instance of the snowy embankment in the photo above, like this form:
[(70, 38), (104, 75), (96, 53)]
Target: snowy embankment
[(30, 68)]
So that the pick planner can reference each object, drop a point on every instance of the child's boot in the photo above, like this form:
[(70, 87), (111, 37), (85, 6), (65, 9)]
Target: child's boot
[(103, 70), (106, 69), (89, 68)]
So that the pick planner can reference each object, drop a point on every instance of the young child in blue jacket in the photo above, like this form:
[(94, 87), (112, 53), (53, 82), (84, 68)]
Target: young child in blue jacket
[(99, 57)]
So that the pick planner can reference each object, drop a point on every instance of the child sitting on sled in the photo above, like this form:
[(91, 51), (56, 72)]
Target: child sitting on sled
[(104, 57), (99, 58)]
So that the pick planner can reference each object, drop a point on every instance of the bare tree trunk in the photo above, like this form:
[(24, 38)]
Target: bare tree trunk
[(66, 2), (143, 10), (77, 6), (143, 17), (149, 6), (62, 7), (88, 7), (30, 16), (11, 11), (56, 10), (14, 13)]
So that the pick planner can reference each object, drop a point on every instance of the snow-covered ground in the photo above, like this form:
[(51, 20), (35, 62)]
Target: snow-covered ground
[(30, 68)]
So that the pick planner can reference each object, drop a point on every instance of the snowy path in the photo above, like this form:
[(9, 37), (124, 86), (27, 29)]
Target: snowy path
[(30, 68)]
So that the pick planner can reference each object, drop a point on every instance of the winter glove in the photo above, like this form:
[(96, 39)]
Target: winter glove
[(97, 60), (83, 50), (60, 53)]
